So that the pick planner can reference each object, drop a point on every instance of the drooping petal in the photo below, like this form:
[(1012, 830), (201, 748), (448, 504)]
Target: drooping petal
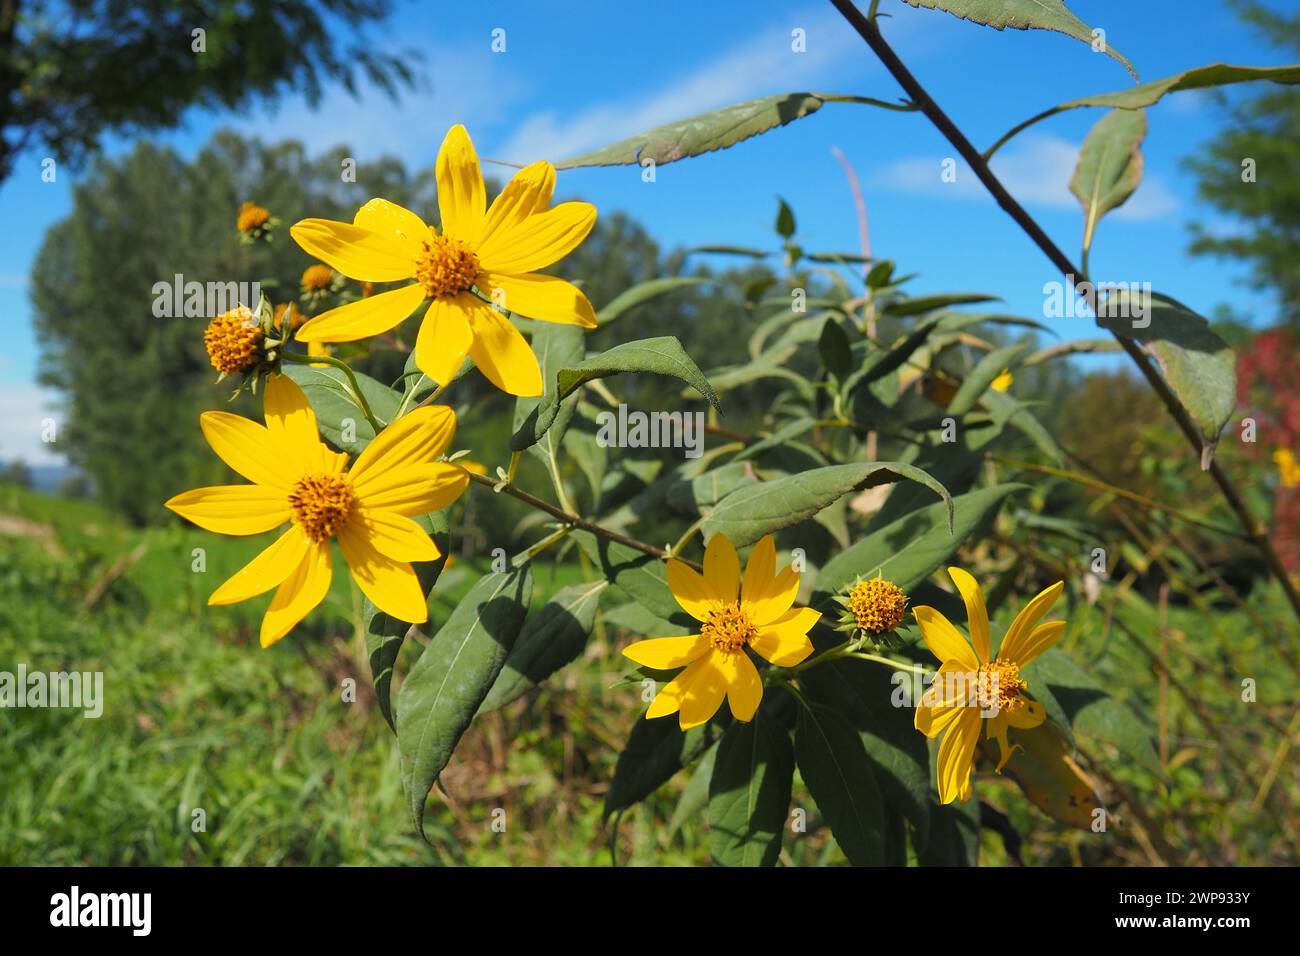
[(247, 448), (1027, 717), (417, 438), (393, 535), (944, 640), (996, 729), (445, 337), (1040, 639), (690, 590), (266, 571), (977, 618), (391, 585), (502, 354), (785, 641), (233, 509), (356, 252), (957, 757), (722, 569), (540, 297), (462, 198), (390, 219), (298, 594), (744, 686), (529, 191), (665, 653), (414, 489), (363, 318), (540, 240), (704, 695), (291, 424), (1015, 643)]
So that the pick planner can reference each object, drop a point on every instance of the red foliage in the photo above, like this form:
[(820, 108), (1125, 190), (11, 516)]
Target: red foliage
[(1268, 390)]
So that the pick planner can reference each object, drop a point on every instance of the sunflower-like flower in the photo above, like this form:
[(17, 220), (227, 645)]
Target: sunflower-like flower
[(873, 606), (972, 687), (756, 615), (296, 478), (233, 341), (319, 282), (494, 252), (254, 222)]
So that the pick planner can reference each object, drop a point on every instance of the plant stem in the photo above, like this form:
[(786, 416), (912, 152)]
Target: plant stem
[(1077, 278), (358, 398)]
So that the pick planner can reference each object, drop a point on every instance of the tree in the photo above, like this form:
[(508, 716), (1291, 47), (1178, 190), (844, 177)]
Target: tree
[(1248, 171), (72, 71)]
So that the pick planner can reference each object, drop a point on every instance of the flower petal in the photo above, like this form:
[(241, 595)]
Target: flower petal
[(502, 354), (665, 653), (760, 569), (540, 240), (1016, 642), (266, 571), (233, 509), (669, 698), (291, 424), (304, 588), (541, 297), (996, 729), (356, 252), (1031, 716), (957, 757), (529, 191), (690, 590), (1040, 639), (391, 585), (785, 641), (462, 199), (445, 337), (704, 695), (390, 219), (977, 618), (363, 318), (393, 535), (722, 569), (944, 640), (247, 447), (417, 438), (415, 489), (744, 686)]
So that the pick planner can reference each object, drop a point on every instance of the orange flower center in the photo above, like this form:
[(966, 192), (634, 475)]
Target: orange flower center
[(233, 341), (877, 606), (728, 628), (321, 504), (317, 278), (445, 266), (1001, 687), (251, 216)]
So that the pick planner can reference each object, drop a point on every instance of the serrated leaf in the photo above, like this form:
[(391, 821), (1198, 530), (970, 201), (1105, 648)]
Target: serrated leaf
[(833, 764), (1109, 169), (552, 636), (1023, 15), (749, 793), (447, 684), (750, 512)]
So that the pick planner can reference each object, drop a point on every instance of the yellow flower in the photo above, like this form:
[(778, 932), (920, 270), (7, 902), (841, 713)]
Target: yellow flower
[(971, 686), (495, 250), (1003, 381), (317, 278), (288, 316), (298, 479), (757, 614), (875, 605), (251, 217), (233, 341), (1288, 469)]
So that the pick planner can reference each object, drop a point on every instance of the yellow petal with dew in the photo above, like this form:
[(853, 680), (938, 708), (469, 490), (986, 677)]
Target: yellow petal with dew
[(356, 252), (462, 198)]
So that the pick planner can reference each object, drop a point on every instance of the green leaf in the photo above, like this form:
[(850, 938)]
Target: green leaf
[(384, 634), (833, 764), (704, 491), (954, 835), (836, 353), (1109, 169), (750, 512), (641, 576), (749, 793), (644, 292), (919, 305), (1023, 15), (695, 797), (977, 382), (662, 356), (447, 684), (1199, 367), (655, 751), (556, 346), (340, 419), (554, 635), (909, 550), (784, 219)]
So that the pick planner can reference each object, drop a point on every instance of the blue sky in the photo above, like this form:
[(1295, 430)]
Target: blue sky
[(577, 75)]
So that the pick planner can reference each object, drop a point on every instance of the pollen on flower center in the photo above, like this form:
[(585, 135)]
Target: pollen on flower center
[(877, 605), (1001, 687), (321, 504), (446, 265), (233, 341), (728, 628)]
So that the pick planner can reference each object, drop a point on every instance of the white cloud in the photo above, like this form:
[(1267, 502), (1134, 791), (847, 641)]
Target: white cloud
[(1036, 170), (23, 411)]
